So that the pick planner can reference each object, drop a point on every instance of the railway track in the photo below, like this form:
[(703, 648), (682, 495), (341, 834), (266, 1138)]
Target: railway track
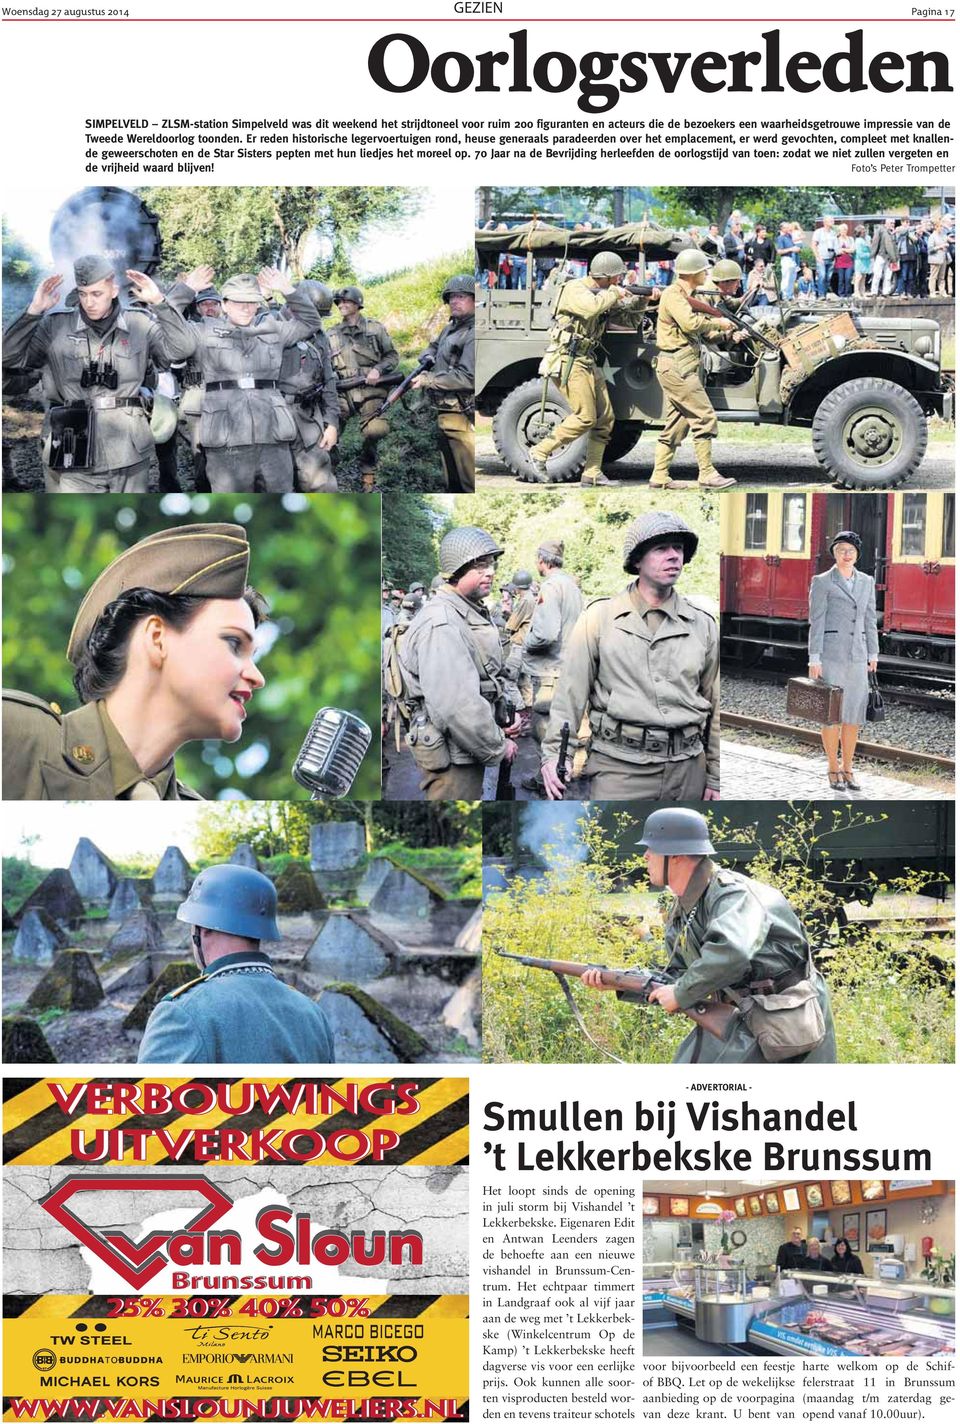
[(902, 756), (922, 690)]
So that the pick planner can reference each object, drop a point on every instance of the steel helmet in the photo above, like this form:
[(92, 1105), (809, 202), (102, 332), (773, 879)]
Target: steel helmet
[(349, 294), (461, 285), (607, 264), (461, 546), (676, 831), (523, 578), (726, 270), (418, 586), (233, 899), (208, 294), (847, 536), (648, 529), (435, 582), (691, 260), (319, 293)]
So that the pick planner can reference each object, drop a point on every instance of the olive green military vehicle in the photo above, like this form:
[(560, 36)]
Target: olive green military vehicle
[(863, 384)]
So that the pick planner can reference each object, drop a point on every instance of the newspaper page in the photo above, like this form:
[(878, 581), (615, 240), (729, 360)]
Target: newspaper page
[(490, 472)]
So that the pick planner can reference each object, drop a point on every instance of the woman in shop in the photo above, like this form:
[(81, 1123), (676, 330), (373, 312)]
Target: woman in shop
[(844, 1261), (843, 650)]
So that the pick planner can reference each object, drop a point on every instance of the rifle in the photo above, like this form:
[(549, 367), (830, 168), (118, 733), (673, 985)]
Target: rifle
[(506, 791), (351, 383), (562, 753), (709, 1014), (706, 310), (426, 362)]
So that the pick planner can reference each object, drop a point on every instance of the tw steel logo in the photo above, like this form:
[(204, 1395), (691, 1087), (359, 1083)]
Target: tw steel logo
[(136, 1262)]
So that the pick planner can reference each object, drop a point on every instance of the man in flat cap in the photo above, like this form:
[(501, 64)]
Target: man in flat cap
[(94, 357), (455, 684), (450, 384), (246, 427), (559, 605), (239, 1010), (365, 360), (644, 666), (162, 650)]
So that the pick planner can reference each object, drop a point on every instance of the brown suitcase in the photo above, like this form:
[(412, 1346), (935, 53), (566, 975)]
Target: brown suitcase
[(814, 701)]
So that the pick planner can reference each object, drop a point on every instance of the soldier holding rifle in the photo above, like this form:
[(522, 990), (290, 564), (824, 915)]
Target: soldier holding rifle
[(366, 363), (735, 943)]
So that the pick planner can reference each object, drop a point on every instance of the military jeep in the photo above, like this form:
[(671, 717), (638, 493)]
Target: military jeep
[(863, 384)]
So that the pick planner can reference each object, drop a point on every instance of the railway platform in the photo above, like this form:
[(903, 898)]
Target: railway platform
[(766, 774)]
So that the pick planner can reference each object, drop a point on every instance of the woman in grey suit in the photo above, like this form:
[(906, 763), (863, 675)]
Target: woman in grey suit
[(843, 649)]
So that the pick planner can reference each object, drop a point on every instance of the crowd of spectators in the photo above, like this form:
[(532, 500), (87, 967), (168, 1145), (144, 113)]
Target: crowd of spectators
[(892, 257)]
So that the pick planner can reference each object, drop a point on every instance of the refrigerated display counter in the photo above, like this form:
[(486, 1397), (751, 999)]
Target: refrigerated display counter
[(858, 1315)]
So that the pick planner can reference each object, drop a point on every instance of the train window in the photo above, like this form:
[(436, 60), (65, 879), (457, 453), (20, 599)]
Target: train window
[(949, 536), (793, 526), (913, 525), (755, 535)]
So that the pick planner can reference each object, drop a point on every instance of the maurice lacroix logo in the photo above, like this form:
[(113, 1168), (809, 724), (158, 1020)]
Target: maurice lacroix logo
[(280, 1235)]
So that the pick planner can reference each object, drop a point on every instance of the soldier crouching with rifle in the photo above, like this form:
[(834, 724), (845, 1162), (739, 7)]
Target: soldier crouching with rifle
[(739, 960)]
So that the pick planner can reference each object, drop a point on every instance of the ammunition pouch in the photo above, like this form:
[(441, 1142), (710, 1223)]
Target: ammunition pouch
[(72, 436), (429, 746), (664, 742), (786, 1019), (684, 362)]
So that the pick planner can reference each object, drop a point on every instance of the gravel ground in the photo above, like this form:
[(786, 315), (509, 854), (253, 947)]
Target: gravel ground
[(913, 727)]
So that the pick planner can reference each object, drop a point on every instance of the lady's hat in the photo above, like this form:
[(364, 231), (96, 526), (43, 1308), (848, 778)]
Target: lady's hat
[(203, 560), (847, 536)]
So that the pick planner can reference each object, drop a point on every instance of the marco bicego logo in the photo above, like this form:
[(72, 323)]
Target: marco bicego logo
[(136, 1262)]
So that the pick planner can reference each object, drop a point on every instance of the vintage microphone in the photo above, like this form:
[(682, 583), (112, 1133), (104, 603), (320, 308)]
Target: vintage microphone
[(331, 753)]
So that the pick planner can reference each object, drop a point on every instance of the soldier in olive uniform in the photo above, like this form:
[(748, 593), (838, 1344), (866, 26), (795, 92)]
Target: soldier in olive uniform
[(644, 666), (580, 312), (363, 354), (246, 428), (679, 331), (239, 1010), (559, 605), (94, 358), (450, 384), (737, 941), (162, 650), (515, 630), (455, 683), (309, 385)]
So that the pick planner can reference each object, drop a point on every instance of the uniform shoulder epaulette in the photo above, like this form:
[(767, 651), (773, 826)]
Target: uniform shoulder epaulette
[(182, 989), (592, 602), (27, 699), (703, 603)]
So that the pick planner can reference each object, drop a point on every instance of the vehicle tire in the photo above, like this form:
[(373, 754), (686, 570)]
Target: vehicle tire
[(517, 427), (622, 441), (869, 434)]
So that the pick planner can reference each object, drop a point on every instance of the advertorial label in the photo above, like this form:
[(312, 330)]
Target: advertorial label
[(235, 1249)]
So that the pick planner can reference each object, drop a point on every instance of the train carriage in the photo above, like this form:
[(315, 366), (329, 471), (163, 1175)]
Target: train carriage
[(773, 543)]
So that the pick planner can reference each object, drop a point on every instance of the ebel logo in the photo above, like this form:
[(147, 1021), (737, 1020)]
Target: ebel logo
[(136, 1262)]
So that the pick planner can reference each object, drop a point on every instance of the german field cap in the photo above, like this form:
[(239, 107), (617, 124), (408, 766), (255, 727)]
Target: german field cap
[(93, 267), (203, 560), (550, 549), (242, 288), (209, 294)]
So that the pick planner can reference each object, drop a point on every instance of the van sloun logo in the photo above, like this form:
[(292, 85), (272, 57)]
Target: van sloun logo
[(196, 1243), (135, 1263)]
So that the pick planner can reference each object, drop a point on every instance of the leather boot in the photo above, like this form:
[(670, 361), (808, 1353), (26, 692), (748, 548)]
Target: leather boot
[(709, 478), (538, 468), (660, 475), (593, 468)]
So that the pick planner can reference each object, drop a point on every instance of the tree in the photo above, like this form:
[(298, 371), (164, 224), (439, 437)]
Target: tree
[(410, 523), (240, 229), (21, 271), (681, 206)]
